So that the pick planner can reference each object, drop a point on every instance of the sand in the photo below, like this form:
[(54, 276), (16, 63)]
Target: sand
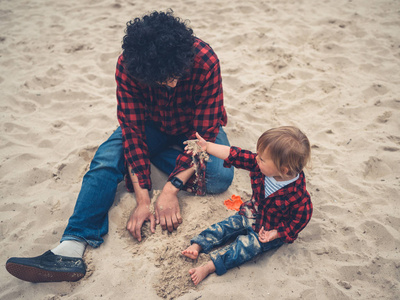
[(329, 67)]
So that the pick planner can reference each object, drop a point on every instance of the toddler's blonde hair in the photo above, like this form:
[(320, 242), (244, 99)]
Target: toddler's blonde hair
[(287, 146)]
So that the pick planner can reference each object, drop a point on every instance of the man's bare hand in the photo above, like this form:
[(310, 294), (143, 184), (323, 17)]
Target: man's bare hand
[(141, 214), (168, 213)]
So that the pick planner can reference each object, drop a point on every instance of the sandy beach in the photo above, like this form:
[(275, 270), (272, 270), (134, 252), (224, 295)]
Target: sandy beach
[(329, 67)]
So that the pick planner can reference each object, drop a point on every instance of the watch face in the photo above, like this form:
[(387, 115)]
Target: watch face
[(176, 182)]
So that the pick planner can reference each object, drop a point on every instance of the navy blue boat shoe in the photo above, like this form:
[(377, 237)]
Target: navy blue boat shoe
[(47, 267)]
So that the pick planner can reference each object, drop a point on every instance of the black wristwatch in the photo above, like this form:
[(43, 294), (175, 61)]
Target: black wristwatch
[(176, 182)]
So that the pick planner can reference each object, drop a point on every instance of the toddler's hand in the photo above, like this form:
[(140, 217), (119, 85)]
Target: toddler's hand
[(201, 142), (267, 236), (201, 145)]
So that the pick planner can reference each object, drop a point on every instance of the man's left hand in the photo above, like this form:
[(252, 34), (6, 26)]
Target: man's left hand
[(168, 213)]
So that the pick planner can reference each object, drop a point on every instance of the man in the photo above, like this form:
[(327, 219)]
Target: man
[(168, 88)]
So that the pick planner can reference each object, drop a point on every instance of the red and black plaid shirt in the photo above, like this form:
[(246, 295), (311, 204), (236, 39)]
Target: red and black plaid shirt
[(195, 104), (288, 210)]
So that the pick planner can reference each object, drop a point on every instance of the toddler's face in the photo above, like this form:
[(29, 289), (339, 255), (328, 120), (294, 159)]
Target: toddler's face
[(266, 165)]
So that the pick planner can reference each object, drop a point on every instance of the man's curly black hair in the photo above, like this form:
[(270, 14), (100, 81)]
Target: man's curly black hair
[(158, 47)]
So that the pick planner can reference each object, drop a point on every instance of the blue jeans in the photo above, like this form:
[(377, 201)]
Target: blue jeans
[(89, 221), (242, 249)]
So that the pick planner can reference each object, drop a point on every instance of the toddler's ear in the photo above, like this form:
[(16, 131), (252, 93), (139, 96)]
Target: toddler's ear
[(285, 170)]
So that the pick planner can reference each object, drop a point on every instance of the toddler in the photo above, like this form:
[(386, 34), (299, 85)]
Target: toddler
[(279, 209)]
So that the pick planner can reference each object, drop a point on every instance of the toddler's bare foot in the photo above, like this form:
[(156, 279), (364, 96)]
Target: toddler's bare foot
[(199, 273), (192, 251)]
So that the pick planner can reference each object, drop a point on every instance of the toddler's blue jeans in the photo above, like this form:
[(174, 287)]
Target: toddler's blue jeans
[(89, 221), (242, 249)]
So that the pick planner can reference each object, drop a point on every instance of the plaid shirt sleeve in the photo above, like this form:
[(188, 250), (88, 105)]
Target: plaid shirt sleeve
[(300, 215), (242, 159), (209, 112), (130, 112)]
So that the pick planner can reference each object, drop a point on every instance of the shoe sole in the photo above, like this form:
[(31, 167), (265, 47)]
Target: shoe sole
[(33, 274)]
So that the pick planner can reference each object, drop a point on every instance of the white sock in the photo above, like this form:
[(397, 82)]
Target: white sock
[(70, 248)]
